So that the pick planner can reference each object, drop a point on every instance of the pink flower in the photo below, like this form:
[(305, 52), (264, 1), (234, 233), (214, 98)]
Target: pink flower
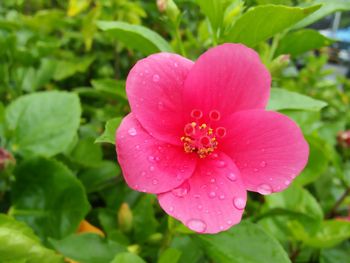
[(199, 136)]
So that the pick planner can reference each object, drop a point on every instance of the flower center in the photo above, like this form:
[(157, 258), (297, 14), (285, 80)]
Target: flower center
[(200, 137)]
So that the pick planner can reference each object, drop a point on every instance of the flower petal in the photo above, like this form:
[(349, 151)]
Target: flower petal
[(212, 200), (154, 87), (227, 78), (148, 164), (268, 148)]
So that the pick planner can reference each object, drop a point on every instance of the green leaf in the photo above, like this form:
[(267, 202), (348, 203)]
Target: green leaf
[(135, 36), (281, 99), (87, 248), (262, 22), (87, 153), (108, 135), (214, 10), (317, 163), (43, 123), (328, 7), (18, 243), (244, 243), (48, 197), (68, 68), (127, 257), (299, 42), (190, 250), (336, 255), (97, 178), (144, 220), (111, 87), (331, 233), (171, 255)]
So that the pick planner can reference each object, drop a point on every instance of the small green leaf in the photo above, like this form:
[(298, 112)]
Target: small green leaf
[(48, 197), (127, 257), (108, 135), (262, 22), (336, 255), (214, 10), (299, 42), (145, 222), (67, 68), (43, 123), (244, 243), (87, 248), (328, 7), (135, 36), (87, 153), (111, 87), (190, 250), (18, 243), (97, 178), (171, 255), (331, 233), (281, 99)]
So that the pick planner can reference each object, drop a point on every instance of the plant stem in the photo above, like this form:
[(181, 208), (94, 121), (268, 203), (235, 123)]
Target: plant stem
[(333, 211), (179, 41), (274, 46)]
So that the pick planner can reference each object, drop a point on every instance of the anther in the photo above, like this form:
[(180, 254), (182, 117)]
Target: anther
[(196, 114), (214, 115)]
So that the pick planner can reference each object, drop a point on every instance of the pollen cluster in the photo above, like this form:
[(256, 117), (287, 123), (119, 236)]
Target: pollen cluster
[(199, 138)]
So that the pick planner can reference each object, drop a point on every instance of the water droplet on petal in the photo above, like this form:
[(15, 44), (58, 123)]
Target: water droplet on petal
[(220, 164), (137, 147), (151, 158), (154, 181), (221, 197), (229, 222), (143, 173), (212, 180), (221, 227), (196, 225), (212, 194), (132, 131), (197, 196), (171, 208), (214, 155), (255, 169), (263, 164), (239, 203), (155, 78), (200, 207), (286, 182), (232, 177), (182, 190), (151, 168), (264, 189)]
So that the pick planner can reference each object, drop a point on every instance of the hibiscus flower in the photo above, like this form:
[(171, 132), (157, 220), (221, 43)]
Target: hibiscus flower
[(199, 136)]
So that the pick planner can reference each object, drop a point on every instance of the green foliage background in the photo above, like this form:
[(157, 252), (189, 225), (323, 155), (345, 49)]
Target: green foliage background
[(63, 66)]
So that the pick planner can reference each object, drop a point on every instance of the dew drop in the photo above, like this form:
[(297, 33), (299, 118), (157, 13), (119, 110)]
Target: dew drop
[(220, 164), (155, 78), (160, 105), (286, 182), (132, 131), (239, 203), (212, 180), (171, 209), (151, 168), (182, 190), (137, 147), (151, 158), (264, 189), (214, 156), (200, 207), (221, 227), (196, 225), (154, 181), (197, 196), (263, 164), (176, 65), (221, 197), (232, 177), (212, 194), (255, 169), (143, 173), (229, 222)]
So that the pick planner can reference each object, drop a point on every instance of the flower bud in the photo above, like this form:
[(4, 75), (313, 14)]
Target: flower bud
[(170, 8), (343, 138), (278, 64), (125, 218), (6, 159)]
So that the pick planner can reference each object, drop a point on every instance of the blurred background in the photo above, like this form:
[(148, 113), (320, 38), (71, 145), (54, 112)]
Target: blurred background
[(63, 66)]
